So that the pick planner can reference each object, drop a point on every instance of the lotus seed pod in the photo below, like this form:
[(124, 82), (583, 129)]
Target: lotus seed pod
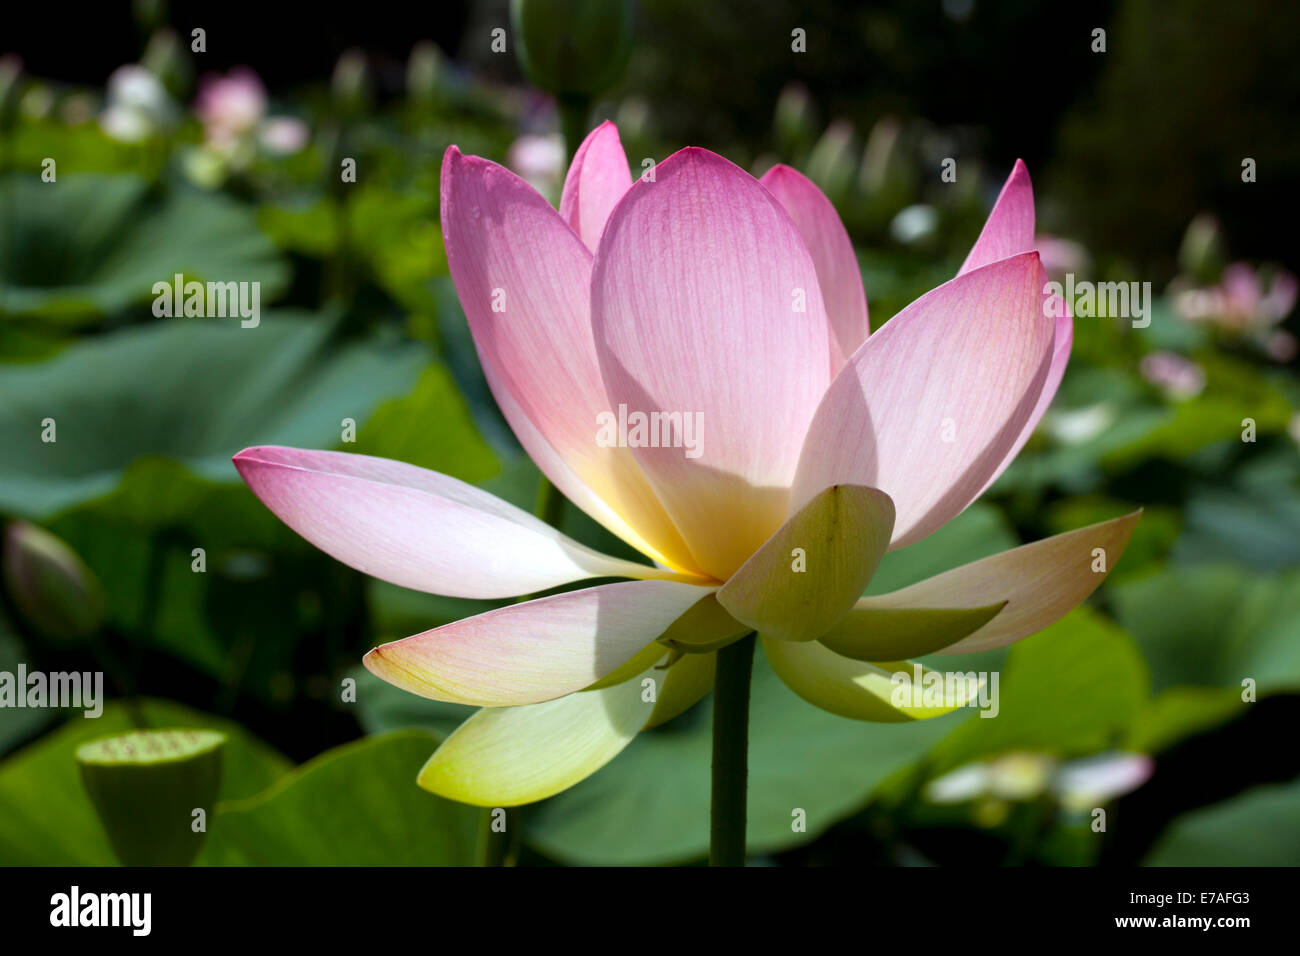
[(146, 787)]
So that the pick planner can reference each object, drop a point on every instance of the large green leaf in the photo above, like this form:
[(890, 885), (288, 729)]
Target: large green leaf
[(381, 707), (1253, 520), (85, 246), (1173, 715), (1215, 626), (430, 427), (46, 819), (1259, 828), (195, 391), (355, 805), (1070, 689), (651, 804)]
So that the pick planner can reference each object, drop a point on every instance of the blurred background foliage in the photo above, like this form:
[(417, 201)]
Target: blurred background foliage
[(224, 164)]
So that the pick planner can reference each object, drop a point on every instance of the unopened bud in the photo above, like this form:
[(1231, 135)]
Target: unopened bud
[(50, 585)]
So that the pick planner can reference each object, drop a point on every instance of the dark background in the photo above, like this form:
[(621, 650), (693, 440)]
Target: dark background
[(1129, 139)]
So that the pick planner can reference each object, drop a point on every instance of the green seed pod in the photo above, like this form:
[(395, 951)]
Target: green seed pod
[(147, 787), (50, 585), (574, 49)]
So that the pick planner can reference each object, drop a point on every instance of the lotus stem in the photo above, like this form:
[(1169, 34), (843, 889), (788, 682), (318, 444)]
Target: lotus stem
[(730, 753)]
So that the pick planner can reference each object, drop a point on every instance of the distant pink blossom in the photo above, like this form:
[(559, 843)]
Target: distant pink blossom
[(1178, 377), (1241, 300), (230, 106), (539, 160), (1062, 256), (233, 110)]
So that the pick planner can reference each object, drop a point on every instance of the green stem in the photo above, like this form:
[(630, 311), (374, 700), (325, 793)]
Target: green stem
[(494, 848), (730, 753), (574, 112), (550, 503)]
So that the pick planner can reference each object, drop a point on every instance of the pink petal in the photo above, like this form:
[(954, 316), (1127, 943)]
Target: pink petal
[(507, 247), (536, 651), (931, 405), (1009, 230), (694, 297), (417, 528), (1063, 341), (1041, 583), (597, 179), (832, 253)]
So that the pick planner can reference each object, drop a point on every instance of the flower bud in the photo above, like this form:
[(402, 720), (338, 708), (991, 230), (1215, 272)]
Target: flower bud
[(831, 165), (50, 585), (1202, 255), (11, 71), (794, 119), (349, 85), (424, 72), (166, 59), (573, 48)]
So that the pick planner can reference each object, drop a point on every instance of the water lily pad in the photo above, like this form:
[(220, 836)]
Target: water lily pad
[(195, 391), (1069, 689), (86, 246), (1215, 626), (1259, 828), (355, 805)]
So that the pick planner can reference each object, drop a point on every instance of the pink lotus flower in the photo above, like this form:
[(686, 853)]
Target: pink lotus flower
[(704, 292), (233, 110), (231, 106), (1177, 377)]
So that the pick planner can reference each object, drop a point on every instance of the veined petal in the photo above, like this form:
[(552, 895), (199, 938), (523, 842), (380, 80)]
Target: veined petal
[(809, 574), (706, 304), (523, 278), (535, 651), (419, 528), (931, 404), (507, 756), (597, 179), (857, 689), (1041, 582), (1062, 343), (870, 632), (832, 253), (1009, 230)]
